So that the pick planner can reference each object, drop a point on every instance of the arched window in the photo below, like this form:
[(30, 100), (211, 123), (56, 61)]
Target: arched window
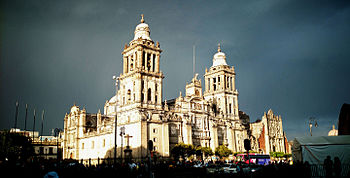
[(148, 61), (208, 89), (132, 63), (214, 84), (219, 81), (149, 97), (143, 60), (227, 82), (129, 95)]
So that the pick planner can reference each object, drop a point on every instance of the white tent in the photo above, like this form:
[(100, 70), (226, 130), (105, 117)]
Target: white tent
[(316, 149)]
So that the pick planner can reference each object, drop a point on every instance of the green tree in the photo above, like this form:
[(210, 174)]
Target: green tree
[(183, 150), (207, 151), (277, 154), (15, 147), (222, 151)]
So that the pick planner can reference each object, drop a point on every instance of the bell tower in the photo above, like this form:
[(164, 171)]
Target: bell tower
[(141, 80), (220, 86)]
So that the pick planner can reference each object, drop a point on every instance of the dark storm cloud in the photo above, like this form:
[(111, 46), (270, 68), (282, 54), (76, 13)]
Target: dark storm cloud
[(290, 56)]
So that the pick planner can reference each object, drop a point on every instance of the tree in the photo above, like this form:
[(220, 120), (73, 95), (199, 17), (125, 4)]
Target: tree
[(183, 150), (15, 147), (207, 151), (277, 154), (222, 151)]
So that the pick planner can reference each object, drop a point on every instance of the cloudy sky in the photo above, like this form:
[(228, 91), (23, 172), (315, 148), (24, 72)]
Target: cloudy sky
[(290, 56)]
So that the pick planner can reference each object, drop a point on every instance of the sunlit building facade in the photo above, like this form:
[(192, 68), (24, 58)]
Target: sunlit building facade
[(206, 118), (267, 134)]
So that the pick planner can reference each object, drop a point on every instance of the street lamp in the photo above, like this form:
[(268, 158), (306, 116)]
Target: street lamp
[(312, 121), (116, 119), (122, 133), (57, 135)]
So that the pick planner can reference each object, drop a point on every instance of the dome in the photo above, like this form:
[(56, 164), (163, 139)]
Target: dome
[(219, 58), (113, 99), (333, 132), (142, 30)]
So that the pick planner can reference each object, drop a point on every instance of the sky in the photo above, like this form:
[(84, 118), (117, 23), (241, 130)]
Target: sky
[(290, 56)]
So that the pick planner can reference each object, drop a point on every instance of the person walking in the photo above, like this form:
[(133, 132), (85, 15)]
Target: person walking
[(337, 167), (328, 164)]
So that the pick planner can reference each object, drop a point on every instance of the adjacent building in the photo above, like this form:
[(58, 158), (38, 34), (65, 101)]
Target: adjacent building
[(45, 147), (267, 134)]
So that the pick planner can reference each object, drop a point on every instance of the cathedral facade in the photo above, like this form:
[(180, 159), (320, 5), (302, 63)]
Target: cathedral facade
[(137, 114), (267, 134)]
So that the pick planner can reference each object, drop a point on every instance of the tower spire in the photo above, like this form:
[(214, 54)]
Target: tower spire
[(219, 48), (142, 20)]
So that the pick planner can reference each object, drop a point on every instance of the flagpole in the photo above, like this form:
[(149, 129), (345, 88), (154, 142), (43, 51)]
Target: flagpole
[(42, 129), (16, 116), (42, 122), (25, 119), (33, 126)]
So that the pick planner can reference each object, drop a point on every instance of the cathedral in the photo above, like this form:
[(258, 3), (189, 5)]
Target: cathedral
[(137, 114), (267, 134)]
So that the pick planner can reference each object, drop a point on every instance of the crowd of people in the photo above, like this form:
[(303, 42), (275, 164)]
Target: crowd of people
[(72, 168), (332, 169)]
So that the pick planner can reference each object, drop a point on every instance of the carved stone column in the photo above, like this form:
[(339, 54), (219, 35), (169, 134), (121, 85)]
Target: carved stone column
[(139, 57), (125, 67), (152, 62), (145, 59), (157, 62)]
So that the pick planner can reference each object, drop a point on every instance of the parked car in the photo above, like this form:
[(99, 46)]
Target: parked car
[(199, 165), (214, 169), (210, 169), (252, 169), (230, 169)]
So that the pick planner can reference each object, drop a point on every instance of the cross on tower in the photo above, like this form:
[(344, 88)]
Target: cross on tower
[(127, 136)]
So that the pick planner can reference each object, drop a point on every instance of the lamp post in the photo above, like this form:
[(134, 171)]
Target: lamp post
[(57, 133), (122, 133), (116, 119), (312, 122)]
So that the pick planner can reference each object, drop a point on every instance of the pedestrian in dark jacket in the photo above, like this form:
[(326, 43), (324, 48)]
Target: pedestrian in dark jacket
[(328, 164), (337, 167)]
